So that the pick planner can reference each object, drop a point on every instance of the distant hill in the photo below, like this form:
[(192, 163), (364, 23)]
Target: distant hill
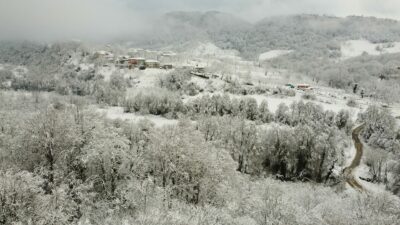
[(211, 22), (306, 33), (180, 27)]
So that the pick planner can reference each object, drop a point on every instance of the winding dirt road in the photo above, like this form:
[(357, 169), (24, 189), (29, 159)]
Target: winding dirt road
[(348, 171)]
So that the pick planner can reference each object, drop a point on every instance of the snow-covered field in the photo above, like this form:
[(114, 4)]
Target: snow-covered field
[(118, 113), (207, 53), (210, 50), (148, 78), (354, 48)]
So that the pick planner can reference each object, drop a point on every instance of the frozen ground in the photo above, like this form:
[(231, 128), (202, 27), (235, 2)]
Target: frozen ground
[(354, 48)]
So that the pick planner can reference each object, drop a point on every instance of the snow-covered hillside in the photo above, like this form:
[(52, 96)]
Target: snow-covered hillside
[(354, 48), (273, 54), (209, 49)]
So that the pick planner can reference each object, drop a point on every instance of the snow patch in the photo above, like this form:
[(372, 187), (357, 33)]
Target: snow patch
[(106, 72), (349, 155), (273, 54), (148, 78), (209, 49), (327, 102), (363, 171), (118, 113), (86, 67), (354, 48)]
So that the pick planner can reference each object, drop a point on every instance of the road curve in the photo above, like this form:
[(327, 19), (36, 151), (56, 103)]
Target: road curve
[(348, 171)]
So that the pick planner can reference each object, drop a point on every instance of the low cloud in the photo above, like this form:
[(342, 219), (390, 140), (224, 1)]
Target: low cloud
[(110, 19), (257, 9), (68, 19)]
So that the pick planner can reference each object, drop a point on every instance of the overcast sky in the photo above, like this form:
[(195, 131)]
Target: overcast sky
[(258, 9), (102, 19)]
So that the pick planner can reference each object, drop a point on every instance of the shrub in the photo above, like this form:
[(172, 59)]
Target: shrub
[(6, 75), (179, 80), (352, 102), (156, 102), (309, 96), (284, 92)]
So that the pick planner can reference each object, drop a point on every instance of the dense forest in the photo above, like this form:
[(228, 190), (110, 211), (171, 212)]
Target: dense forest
[(227, 160), (311, 35), (224, 162), (61, 163)]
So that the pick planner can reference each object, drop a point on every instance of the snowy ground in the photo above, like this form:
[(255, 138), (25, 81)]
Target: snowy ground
[(273, 54), (349, 155), (210, 50), (228, 62), (354, 48), (334, 104), (395, 109), (118, 113), (363, 171), (329, 98), (148, 78), (106, 71)]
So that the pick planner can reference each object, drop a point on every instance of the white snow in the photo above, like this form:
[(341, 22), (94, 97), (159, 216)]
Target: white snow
[(210, 49), (274, 101), (349, 155), (325, 98), (148, 78), (202, 83), (331, 104), (152, 61), (118, 113), (107, 71), (85, 66), (354, 48), (363, 171), (193, 63), (395, 109), (273, 54), (19, 71)]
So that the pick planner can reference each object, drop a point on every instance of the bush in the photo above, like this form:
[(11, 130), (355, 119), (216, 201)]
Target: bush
[(6, 75), (179, 80), (156, 102), (309, 96), (351, 102), (285, 92), (221, 105), (380, 128), (112, 92)]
